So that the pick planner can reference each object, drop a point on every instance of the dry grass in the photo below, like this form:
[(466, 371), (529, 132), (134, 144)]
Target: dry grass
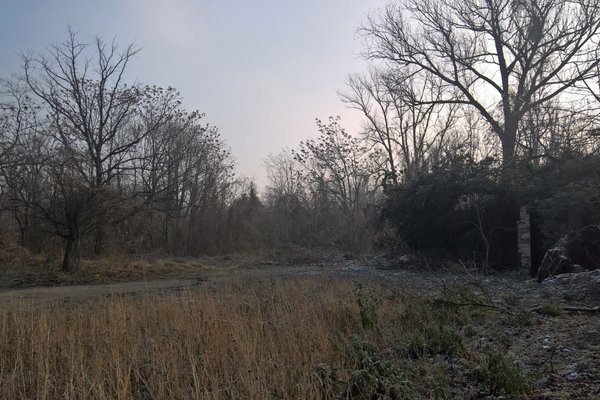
[(297, 338), (117, 269), (230, 341), (12, 254)]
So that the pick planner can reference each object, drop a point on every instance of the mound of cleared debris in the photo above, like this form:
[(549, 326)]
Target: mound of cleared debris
[(582, 286)]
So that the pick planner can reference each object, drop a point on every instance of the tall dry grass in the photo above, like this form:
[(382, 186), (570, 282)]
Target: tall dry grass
[(240, 340)]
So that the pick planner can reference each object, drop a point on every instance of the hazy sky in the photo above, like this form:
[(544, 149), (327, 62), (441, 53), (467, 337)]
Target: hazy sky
[(261, 70)]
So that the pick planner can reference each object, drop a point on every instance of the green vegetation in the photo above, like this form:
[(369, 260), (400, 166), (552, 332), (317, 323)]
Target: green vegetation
[(502, 376)]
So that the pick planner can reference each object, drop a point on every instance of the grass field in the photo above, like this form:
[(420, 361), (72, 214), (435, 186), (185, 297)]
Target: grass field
[(292, 338)]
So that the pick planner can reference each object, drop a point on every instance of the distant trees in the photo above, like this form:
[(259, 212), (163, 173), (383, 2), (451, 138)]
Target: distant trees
[(183, 171), (287, 200), (553, 133), (339, 165), (504, 58), (24, 150), (472, 108), (285, 178), (402, 119), (84, 152), (324, 192)]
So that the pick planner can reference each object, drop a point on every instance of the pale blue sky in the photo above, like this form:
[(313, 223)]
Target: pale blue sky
[(261, 70)]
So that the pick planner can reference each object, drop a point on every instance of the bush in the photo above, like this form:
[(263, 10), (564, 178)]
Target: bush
[(502, 376), (460, 209), (569, 206), (467, 209), (374, 378)]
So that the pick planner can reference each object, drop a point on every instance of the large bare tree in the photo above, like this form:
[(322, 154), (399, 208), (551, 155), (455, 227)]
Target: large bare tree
[(502, 57), (95, 122), (96, 114), (402, 118)]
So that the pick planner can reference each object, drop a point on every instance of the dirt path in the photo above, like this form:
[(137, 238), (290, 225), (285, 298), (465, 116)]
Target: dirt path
[(46, 294), (500, 286), (38, 295)]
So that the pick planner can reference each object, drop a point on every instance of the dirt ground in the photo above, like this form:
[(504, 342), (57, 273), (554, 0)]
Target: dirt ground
[(36, 295), (34, 284), (165, 275)]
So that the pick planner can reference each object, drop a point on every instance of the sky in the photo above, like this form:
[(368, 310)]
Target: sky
[(261, 70)]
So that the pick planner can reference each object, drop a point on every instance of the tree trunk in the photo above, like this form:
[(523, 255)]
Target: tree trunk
[(71, 261), (509, 142), (23, 227), (23, 234), (99, 240)]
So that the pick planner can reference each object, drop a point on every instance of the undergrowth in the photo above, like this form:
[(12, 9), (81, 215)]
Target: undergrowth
[(321, 338)]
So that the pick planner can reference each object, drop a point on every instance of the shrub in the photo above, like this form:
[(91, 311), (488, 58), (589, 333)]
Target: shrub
[(373, 378), (502, 376), (459, 208), (367, 307)]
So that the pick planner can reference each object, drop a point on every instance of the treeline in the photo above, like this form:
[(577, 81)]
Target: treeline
[(472, 110), (93, 164)]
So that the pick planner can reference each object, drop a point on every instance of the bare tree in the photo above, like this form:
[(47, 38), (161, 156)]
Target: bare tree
[(553, 133), (70, 207), (83, 152), (284, 175), (340, 164), (22, 152), (343, 179), (502, 57), (95, 122), (180, 172), (16, 115), (96, 115), (402, 118), (288, 204)]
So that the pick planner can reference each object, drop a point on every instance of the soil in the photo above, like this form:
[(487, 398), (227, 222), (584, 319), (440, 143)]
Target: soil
[(36, 295)]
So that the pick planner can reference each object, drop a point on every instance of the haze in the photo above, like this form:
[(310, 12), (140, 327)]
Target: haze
[(261, 70)]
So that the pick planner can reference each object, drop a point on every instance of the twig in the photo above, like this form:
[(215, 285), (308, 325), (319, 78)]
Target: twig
[(568, 308), (475, 304)]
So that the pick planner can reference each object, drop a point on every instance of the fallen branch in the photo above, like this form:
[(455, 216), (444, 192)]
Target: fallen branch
[(474, 304), (596, 309)]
